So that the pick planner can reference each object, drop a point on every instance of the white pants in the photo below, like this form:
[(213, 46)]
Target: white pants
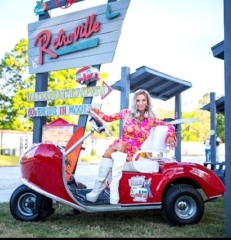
[(217, 154)]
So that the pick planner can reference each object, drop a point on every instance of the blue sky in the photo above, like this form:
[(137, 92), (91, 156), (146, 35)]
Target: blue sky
[(171, 36)]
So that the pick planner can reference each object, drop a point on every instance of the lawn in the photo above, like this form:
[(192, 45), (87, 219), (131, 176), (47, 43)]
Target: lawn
[(127, 224), (8, 161)]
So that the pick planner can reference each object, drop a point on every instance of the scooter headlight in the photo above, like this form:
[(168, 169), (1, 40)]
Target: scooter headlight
[(26, 150)]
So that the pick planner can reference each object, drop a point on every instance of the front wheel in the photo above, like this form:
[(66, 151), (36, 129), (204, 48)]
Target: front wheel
[(182, 205), (27, 205), (87, 82)]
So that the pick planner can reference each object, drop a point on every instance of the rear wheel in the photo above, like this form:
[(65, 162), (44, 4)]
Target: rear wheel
[(182, 205), (27, 205)]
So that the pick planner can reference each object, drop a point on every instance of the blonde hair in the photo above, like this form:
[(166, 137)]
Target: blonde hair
[(149, 106)]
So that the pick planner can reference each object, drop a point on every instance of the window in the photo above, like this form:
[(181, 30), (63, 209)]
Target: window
[(78, 76)]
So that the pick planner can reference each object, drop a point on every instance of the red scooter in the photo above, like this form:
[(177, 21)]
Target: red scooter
[(151, 182)]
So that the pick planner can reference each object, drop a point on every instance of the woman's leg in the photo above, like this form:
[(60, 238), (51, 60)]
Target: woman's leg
[(207, 155), (105, 167), (119, 158), (217, 154), (106, 164)]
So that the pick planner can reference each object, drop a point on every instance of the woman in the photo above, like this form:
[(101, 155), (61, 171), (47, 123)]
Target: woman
[(138, 122), (207, 149), (218, 142)]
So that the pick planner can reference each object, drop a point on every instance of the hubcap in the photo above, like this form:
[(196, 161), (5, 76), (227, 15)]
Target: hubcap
[(185, 207), (27, 204)]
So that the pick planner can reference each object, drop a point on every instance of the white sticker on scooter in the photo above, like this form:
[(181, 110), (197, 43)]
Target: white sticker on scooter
[(140, 188)]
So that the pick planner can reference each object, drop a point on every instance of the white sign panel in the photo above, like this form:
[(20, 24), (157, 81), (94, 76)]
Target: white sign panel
[(61, 110), (102, 91)]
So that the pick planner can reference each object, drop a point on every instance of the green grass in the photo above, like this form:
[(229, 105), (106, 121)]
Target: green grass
[(88, 158), (8, 161), (128, 224)]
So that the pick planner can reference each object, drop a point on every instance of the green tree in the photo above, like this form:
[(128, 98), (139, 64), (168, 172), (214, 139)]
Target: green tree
[(13, 69), (205, 119), (16, 84), (220, 126), (190, 132), (205, 99)]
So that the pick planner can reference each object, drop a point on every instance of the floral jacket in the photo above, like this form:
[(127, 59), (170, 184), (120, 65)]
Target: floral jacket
[(134, 133)]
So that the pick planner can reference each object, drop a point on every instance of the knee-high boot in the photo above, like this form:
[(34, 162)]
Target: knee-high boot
[(105, 166), (117, 168)]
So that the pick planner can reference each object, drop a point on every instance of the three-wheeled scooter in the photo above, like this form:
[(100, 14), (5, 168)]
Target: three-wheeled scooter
[(179, 189)]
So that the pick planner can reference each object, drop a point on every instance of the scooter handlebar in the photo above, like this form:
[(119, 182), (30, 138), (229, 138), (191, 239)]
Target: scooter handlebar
[(97, 125)]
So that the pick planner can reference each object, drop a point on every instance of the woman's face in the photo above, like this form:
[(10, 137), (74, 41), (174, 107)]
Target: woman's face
[(141, 102)]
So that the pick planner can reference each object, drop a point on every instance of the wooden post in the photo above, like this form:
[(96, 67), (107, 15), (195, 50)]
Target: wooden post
[(178, 114), (213, 128), (124, 92), (41, 84), (227, 59)]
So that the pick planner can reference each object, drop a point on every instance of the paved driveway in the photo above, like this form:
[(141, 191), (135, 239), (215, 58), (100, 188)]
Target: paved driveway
[(10, 178)]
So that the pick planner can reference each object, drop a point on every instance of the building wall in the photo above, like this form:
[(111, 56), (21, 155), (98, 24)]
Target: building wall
[(14, 142)]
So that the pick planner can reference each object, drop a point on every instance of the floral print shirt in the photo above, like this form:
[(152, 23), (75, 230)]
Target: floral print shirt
[(134, 133)]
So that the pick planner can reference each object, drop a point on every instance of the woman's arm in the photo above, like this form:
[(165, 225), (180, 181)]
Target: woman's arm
[(170, 139), (110, 118)]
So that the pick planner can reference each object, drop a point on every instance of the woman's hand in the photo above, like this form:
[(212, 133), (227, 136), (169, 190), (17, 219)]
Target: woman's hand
[(95, 110), (90, 109), (171, 142)]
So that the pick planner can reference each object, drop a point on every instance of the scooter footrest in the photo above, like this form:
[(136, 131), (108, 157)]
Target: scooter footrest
[(104, 197)]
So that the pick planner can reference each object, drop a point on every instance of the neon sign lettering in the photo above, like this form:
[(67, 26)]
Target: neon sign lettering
[(43, 39)]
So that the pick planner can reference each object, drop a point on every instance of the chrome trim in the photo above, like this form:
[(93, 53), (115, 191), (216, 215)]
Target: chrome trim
[(101, 208), (110, 208)]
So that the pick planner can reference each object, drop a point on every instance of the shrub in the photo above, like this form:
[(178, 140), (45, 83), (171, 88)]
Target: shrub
[(93, 152)]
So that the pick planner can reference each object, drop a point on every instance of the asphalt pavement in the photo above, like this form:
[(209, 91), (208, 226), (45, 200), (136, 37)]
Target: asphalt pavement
[(85, 173)]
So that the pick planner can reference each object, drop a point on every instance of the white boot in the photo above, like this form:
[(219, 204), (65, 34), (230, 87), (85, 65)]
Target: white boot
[(117, 168), (105, 167)]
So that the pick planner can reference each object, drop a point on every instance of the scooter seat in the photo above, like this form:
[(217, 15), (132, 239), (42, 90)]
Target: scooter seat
[(156, 140), (154, 143), (144, 165)]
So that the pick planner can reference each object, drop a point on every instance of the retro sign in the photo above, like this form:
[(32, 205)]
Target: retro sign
[(86, 75), (86, 37), (61, 110), (102, 91)]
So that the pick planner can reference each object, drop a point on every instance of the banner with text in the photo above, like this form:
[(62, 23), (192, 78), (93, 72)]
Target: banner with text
[(102, 91), (61, 110)]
